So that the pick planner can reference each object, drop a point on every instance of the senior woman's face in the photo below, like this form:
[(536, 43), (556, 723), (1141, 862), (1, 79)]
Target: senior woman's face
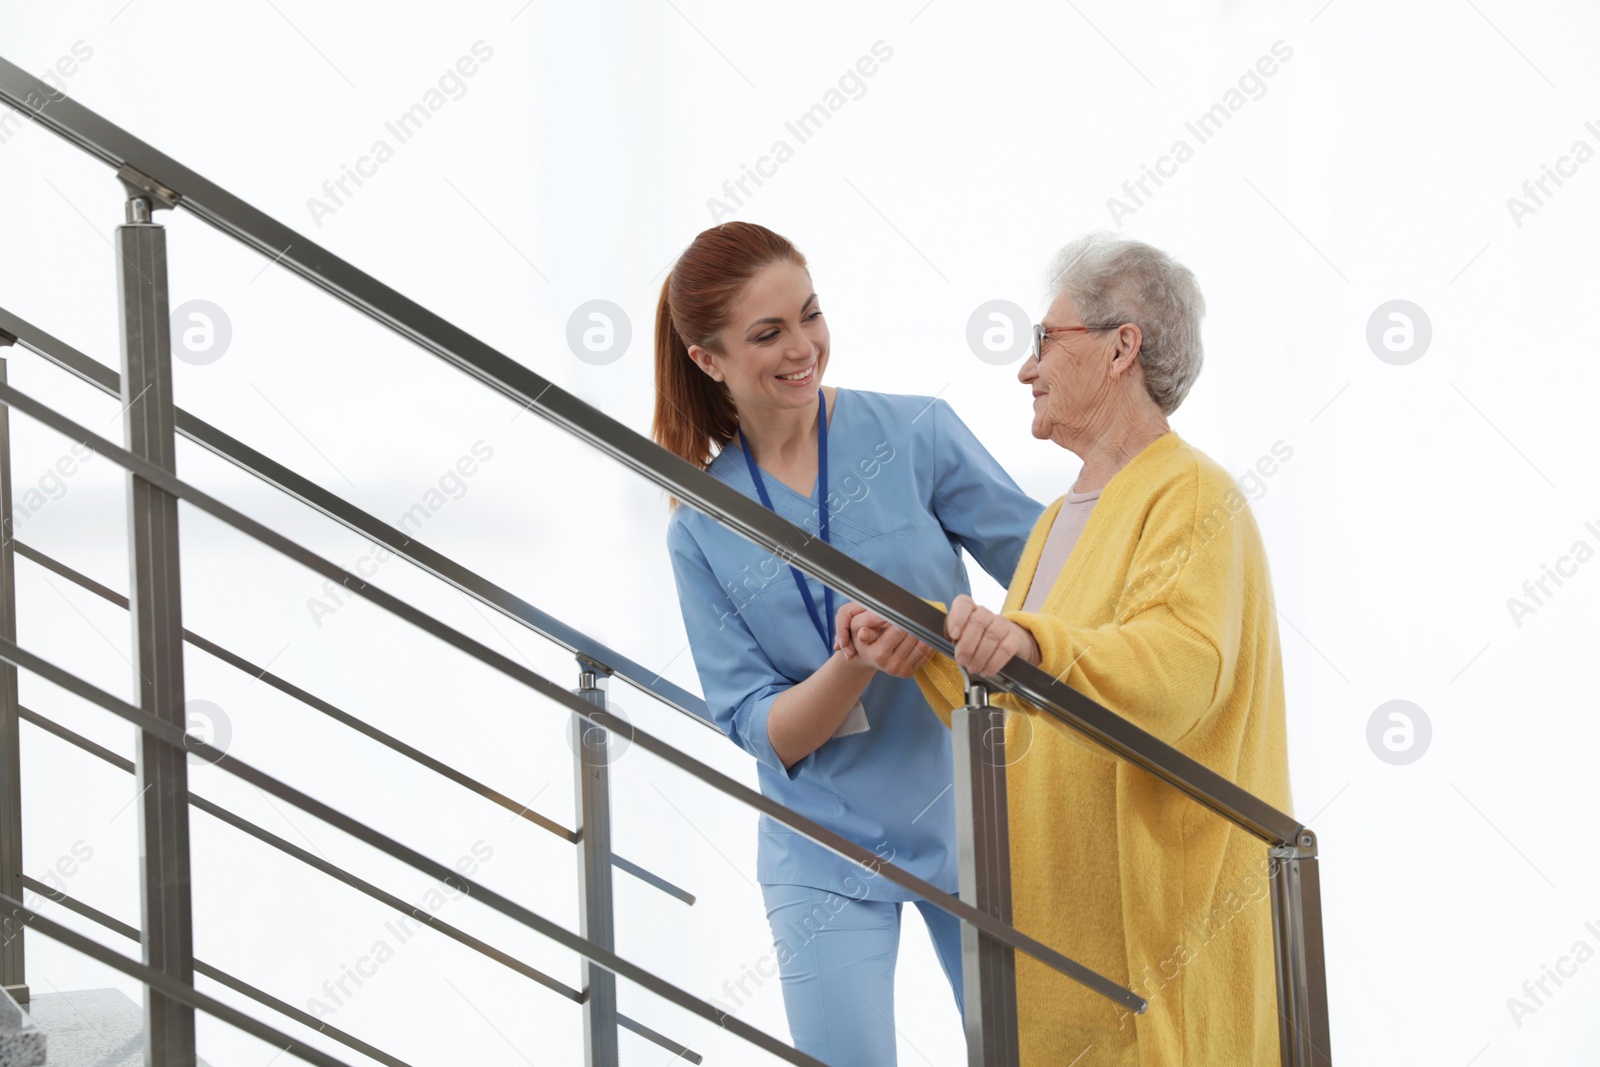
[(1071, 380)]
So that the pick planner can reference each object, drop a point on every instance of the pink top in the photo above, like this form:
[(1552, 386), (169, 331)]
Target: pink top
[(1064, 534)]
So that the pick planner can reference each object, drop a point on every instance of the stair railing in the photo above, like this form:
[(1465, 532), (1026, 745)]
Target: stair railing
[(154, 181)]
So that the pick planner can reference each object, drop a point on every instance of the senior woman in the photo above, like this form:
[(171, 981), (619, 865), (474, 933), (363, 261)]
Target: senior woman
[(1146, 588)]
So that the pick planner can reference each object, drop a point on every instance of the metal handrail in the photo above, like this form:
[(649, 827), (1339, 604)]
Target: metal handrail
[(170, 183), (155, 179), (361, 885), (311, 700), (177, 737), (365, 524), (217, 974), (162, 479), (167, 985)]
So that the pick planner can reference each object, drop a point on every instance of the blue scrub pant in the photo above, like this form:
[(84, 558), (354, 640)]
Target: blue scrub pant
[(836, 959)]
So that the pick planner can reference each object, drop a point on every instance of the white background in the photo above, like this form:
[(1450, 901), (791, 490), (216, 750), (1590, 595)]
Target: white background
[(1375, 165)]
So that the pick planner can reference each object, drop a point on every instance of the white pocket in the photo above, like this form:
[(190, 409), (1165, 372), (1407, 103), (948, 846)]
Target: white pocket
[(854, 723)]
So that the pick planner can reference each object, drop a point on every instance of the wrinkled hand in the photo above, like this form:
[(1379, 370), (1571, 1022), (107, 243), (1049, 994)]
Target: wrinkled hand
[(985, 641), (862, 632)]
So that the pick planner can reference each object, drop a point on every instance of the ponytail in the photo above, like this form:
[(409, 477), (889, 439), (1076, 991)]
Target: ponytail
[(695, 416)]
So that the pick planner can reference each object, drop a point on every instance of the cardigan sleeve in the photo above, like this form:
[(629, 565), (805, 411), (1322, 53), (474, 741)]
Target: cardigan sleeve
[(1153, 669), (1162, 661), (940, 682), (739, 681)]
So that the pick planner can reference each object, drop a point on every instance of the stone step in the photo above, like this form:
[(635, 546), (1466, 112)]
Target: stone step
[(89, 1028), (22, 1043)]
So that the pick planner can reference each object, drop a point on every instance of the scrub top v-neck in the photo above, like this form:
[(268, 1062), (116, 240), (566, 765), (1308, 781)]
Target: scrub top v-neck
[(821, 618), (909, 487)]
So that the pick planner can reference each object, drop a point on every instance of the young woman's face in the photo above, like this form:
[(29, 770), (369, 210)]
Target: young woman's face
[(775, 346)]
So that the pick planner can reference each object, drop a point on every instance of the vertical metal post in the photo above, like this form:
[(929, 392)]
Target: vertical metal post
[(13, 973), (1303, 1026), (592, 757), (167, 934), (983, 839)]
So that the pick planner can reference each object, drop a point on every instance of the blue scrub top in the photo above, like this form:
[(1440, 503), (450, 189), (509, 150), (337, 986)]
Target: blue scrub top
[(909, 487)]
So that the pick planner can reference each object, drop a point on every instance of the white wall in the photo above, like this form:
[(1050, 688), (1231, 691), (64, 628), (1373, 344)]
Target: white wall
[(1374, 164)]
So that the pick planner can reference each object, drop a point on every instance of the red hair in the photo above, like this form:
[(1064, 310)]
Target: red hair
[(695, 416)]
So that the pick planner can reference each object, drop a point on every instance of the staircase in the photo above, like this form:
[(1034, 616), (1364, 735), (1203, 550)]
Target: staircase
[(104, 1027), (89, 1028), (22, 1040)]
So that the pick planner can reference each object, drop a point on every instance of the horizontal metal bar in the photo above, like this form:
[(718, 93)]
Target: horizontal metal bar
[(369, 526), (216, 974), (76, 577), (829, 839), (246, 772), (339, 874), (309, 699), (116, 147), (652, 879), (287, 687), (56, 896), (161, 983), (50, 726), (317, 863)]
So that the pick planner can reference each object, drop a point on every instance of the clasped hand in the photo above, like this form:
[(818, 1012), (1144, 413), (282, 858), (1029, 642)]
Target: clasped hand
[(984, 640)]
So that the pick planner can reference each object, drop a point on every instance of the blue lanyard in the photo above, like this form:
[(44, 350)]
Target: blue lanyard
[(823, 631)]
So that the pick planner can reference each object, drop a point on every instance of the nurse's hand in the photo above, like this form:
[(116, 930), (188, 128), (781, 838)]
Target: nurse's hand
[(985, 641), (843, 639), (851, 618), (864, 633)]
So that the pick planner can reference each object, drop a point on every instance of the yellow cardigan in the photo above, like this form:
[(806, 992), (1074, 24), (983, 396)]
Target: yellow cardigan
[(1164, 614)]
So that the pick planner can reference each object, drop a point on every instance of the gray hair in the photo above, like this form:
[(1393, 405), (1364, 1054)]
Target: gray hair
[(1112, 280)]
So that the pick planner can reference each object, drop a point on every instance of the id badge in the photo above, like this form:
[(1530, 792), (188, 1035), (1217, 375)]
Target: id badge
[(854, 723)]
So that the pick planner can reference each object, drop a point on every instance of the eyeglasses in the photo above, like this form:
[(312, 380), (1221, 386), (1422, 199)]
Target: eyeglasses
[(1040, 333)]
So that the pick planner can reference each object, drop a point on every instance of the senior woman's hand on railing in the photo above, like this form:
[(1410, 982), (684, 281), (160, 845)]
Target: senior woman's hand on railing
[(985, 641)]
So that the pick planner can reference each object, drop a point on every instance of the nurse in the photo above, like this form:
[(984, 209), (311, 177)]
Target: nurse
[(896, 482)]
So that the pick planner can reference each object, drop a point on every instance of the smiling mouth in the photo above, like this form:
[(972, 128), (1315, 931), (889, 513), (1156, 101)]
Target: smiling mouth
[(798, 376)]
